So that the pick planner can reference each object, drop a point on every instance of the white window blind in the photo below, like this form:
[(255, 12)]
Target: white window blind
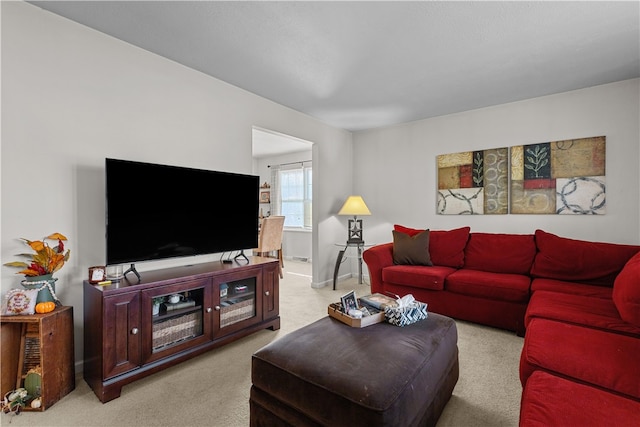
[(293, 195)]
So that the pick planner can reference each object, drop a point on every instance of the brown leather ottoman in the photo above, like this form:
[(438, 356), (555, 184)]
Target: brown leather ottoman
[(330, 374)]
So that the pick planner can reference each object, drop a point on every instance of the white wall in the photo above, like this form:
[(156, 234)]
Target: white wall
[(72, 96), (395, 170)]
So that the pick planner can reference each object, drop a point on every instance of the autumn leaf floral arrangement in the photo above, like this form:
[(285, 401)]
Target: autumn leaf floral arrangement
[(46, 260), (38, 267)]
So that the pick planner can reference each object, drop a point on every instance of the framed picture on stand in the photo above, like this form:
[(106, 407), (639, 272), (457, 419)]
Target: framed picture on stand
[(97, 274), (265, 197), (349, 301)]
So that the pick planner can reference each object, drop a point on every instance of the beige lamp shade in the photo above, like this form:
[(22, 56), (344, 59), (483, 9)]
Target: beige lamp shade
[(354, 206)]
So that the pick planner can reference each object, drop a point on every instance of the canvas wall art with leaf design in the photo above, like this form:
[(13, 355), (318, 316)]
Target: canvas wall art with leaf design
[(559, 177), (473, 182)]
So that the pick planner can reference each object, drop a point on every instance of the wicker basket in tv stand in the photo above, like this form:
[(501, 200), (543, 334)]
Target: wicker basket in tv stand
[(220, 303)]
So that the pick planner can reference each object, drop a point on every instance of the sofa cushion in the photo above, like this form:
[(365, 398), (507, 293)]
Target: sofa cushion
[(573, 288), (446, 247), (411, 250), (626, 291), (500, 253), (484, 284), (588, 355), (579, 260), (583, 310), (417, 276), (545, 403)]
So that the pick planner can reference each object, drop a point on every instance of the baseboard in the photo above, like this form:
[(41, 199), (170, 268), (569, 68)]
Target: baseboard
[(343, 277), (298, 259)]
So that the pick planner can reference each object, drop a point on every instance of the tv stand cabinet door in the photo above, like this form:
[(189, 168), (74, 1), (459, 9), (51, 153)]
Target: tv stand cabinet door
[(187, 320), (270, 291), (122, 334), (252, 278)]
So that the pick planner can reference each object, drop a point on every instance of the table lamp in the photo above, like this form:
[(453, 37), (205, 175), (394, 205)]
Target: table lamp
[(355, 206)]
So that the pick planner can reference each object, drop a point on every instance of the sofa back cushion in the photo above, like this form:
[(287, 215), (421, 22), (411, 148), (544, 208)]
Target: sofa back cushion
[(579, 260), (500, 253), (626, 291), (446, 247)]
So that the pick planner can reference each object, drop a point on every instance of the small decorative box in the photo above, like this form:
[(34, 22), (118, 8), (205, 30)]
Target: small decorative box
[(406, 315)]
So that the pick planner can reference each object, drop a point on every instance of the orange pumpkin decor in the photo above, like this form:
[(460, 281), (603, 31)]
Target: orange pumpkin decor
[(45, 307)]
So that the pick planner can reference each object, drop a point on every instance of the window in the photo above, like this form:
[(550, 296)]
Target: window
[(294, 200)]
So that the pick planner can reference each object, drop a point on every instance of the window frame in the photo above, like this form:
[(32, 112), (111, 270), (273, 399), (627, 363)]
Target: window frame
[(307, 196)]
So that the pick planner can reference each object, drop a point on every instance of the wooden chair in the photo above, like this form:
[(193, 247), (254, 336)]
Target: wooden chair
[(270, 238)]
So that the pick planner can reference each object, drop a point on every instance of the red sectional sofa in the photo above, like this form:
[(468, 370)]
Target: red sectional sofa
[(578, 301), (583, 342)]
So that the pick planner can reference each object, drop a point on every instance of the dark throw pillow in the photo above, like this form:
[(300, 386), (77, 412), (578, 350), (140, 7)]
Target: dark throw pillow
[(411, 250)]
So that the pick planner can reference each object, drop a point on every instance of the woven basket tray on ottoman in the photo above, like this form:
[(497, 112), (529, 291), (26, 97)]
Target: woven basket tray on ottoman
[(329, 374)]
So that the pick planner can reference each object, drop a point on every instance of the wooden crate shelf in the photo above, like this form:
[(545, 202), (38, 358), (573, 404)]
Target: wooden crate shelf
[(44, 340)]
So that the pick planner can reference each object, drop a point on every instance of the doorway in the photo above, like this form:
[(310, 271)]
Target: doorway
[(271, 152)]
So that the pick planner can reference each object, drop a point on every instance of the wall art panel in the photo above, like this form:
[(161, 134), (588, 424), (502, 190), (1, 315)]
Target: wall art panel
[(560, 177), (496, 184), (473, 182)]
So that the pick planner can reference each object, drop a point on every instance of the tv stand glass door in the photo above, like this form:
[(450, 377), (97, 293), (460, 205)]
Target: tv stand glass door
[(178, 325), (237, 302)]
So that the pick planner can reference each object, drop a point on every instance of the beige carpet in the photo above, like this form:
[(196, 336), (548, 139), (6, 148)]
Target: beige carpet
[(213, 389)]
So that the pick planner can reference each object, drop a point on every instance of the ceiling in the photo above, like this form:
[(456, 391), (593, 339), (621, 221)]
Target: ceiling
[(362, 65)]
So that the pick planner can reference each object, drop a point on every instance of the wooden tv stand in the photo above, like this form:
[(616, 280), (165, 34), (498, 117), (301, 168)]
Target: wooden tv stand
[(219, 303)]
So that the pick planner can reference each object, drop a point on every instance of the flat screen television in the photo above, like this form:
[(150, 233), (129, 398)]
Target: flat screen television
[(158, 211)]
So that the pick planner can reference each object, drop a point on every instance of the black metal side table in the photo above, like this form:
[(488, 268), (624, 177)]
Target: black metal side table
[(360, 246)]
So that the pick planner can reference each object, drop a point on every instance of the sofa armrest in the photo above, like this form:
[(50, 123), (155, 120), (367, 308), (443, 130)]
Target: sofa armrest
[(378, 257)]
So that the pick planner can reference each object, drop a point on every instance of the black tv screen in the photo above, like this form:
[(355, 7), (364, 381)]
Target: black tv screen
[(159, 211)]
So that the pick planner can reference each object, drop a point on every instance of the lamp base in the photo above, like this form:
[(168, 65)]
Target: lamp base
[(355, 231)]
